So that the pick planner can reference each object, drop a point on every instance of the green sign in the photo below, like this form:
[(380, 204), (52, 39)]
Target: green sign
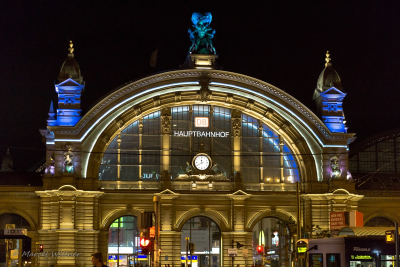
[(361, 257), (301, 249)]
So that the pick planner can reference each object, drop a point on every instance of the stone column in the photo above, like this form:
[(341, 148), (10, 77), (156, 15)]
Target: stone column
[(67, 233), (238, 233)]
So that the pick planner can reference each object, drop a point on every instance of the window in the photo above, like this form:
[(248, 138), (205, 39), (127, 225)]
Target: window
[(134, 154), (333, 260), (316, 260)]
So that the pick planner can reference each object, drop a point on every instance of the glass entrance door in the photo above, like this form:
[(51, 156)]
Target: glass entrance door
[(205, 234)]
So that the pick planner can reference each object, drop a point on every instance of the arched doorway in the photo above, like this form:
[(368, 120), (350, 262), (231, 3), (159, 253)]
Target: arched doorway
[(205, 234), (274, 234), (123, 242), (22, 245)]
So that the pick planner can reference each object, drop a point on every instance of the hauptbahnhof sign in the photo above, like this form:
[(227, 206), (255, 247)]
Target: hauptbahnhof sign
[(201, 122), (200, 134)]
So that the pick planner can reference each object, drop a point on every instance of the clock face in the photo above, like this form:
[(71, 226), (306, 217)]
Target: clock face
[(202, 162)]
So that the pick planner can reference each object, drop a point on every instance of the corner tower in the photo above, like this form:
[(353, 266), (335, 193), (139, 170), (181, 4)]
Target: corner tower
[(329, 96), (69, 92)]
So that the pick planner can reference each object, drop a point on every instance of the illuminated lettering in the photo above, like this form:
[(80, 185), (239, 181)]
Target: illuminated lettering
[(201, 134)]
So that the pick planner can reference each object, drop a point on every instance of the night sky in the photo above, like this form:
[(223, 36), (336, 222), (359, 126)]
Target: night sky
[(280, 42)]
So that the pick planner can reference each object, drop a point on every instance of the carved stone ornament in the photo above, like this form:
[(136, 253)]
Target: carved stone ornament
[(156, 102), (137, 110), (120, 123), (236, 126), (205, 91), (68, 159), (250, 104), (166, 124), (178, 97)]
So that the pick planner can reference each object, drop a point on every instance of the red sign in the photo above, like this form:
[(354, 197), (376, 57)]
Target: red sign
[(337, 220), (201, 122), (152, 231)]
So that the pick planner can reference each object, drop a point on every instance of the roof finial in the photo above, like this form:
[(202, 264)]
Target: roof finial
[(327, 59), (71, 47)]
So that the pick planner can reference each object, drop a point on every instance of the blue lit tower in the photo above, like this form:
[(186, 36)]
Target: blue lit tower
[(329, 96), (69, 92)]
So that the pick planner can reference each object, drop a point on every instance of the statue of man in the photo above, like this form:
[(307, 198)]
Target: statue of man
[(335, 168)]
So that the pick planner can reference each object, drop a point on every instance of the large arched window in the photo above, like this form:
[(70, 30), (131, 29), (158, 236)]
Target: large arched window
[(205, 234), (135, 153)]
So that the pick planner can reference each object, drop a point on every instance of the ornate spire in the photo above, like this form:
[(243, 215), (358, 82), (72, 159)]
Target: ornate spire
[(51, 120), (51, 111), (327, 59), (71, 48)]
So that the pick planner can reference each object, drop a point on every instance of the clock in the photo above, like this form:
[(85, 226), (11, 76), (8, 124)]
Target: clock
[(201, 162)]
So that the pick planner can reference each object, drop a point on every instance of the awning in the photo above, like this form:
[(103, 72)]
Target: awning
[(364, 231)]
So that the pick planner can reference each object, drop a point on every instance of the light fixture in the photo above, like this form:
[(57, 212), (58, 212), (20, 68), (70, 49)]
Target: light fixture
[(194, 185), (210, 185), (268, 179)]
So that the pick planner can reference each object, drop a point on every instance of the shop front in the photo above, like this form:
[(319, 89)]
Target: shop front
[(351, 251), (369, 252)]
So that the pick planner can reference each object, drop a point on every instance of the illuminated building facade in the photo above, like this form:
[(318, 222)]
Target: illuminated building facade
[(216, 155)]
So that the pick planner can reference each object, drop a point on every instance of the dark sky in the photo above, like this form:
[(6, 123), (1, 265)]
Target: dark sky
[(280, 42)]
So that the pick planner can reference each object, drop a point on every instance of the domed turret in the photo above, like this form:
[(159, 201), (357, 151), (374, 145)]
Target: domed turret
[(69, 92), (329, 77), (7, 162), (70, 67), (329, 96)]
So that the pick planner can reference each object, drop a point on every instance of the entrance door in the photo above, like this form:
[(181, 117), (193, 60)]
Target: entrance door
[(205, 234)]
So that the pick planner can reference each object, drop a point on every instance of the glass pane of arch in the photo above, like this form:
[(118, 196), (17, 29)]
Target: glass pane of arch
[(206, 235), (123, 240), (271, 234), (135, 153), (379, 222), (123, 160)]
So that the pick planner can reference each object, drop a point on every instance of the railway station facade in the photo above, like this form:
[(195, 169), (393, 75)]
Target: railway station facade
[(209, 154)]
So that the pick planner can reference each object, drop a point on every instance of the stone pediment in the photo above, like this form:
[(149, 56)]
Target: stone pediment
[(239, 195), (168, 194), (69, 82), (333, 91)]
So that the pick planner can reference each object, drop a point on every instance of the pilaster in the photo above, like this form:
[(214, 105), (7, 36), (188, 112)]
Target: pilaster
[(170, 245)]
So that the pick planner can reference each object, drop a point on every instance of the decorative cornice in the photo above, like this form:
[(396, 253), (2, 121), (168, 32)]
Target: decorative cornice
[(194, 73), (18, 195), (380, 199)]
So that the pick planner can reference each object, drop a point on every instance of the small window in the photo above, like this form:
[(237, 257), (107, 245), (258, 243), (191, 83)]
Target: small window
[(333, 260), (316, 260)]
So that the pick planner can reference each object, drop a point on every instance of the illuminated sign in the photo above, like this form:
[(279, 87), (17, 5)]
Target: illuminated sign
[(361, 249), (200, 134), (150, 176), (301, 249), (389, 238), (361, 257), (190, 258), (15, 231), (201, 122)]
